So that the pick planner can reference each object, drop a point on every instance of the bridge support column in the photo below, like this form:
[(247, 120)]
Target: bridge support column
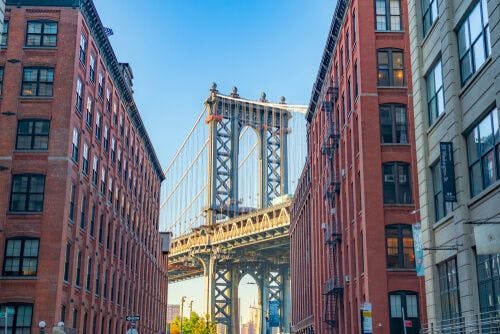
[(235, 305), (286, 308), (209, 277), (264, 302)]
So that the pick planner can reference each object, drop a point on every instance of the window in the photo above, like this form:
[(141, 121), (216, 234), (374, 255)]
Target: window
[(448, 285), (85, 320), (78, 268), (89, 274), (97, 280), (399, 243), (75, 318), (79, 98), (98, 126), (103, 181), (388, 15), (4, 34), (72, 199), (21, 257), (349, 100), (353, 29), (105, 285), (390, 68), (95, 168), (108, 100), (37, 81), (356, 88), (32, 134), (85, 163), (113, 149), (100, 88), (83, 210), (106, 139), (474, 40), (27, 193), (92, 220), (483, 143), (396, 183), (441, 208), (407, 302), (488, 277), (435, 92), (63, 313), (110, 190), (66, 262), (75, 145), (393, 124), (101, 228), (41, 33), (83, 48), (1, 80), (429, 13), (19, 319), (92, 68)]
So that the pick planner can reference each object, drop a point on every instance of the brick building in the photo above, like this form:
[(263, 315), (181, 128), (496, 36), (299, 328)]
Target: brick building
[(351, 229), (79, 178)]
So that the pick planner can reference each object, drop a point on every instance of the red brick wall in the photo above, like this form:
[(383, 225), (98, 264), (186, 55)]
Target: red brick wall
[(361, 213), (143, 273)]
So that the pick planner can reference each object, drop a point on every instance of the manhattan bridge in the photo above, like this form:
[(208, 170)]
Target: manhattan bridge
[(226, 200)]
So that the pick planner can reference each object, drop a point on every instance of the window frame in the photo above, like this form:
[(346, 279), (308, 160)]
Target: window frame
[(400, 235), (42, 34), (488, 280), (397, 185), (483, 152), (389, 67), (446, 292), (484, 36), (14, 328), (79, 95), (388, 16), (83, 48), (433, 97), (32, 134), (21, 257), (427, 11), (4, 35), (28, 194), (38, 82), (437, 190), (392, 108), (2, 72)]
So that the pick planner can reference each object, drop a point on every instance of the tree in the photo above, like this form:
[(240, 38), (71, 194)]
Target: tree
[(193, 325)]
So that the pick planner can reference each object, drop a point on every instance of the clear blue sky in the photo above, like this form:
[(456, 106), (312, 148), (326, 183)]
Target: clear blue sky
[(178, 47)]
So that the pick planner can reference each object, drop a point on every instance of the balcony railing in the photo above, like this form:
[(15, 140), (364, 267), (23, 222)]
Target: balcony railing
[(333, 286), (331, 237), (482, 323), (331, 188)]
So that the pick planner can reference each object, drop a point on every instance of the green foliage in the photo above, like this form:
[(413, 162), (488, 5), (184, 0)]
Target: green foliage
[(193, 325)]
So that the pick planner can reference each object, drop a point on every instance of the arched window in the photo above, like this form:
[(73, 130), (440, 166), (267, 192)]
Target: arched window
[(399, 243)]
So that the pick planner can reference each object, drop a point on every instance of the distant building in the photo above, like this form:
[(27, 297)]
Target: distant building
[(173, 311), (248, 328), (221, 329)]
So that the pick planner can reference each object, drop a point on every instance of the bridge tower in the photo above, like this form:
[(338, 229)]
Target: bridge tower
[(227, 116)]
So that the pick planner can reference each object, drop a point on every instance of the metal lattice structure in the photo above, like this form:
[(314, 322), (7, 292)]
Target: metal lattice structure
[(227, 239)]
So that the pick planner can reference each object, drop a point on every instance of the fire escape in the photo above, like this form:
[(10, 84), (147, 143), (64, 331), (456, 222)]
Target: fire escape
[(333, 288)]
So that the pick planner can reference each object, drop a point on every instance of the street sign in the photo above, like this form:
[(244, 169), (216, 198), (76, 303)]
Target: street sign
[(366, 314), (133, 318), (274, 315), (447, 171)]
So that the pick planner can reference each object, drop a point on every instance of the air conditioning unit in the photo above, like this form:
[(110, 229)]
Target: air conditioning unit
[(323, 226), (166, 238), (347, 278)]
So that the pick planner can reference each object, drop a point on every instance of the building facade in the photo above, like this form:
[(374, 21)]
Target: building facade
[(455, 48), (356, 204), (79, 179)]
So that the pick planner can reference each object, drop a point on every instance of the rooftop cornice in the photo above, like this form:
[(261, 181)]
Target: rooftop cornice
[(331, 43), (96, 27)]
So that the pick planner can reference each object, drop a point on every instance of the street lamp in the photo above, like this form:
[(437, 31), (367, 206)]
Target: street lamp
[(42, 326), (183, 299)]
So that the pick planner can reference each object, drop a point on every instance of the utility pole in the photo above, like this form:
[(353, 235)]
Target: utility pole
[(190, 308), (183, 299)]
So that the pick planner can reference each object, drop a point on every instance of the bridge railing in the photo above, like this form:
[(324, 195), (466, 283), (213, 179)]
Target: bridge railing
[(245, 225)]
